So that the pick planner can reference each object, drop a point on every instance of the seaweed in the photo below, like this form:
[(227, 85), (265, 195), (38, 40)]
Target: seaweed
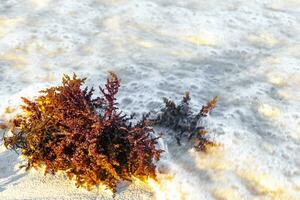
[(89, 138), (67, 128), (184, 122)]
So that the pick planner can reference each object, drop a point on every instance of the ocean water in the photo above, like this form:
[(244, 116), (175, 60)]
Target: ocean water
[(245, 52)]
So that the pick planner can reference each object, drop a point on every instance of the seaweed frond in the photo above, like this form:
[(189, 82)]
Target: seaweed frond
[(88, 138), (184, 122)]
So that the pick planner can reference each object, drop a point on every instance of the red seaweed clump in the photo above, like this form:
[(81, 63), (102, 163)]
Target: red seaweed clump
[(67, 129)]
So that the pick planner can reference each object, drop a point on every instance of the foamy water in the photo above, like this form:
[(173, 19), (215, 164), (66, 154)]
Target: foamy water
[(245, 52)]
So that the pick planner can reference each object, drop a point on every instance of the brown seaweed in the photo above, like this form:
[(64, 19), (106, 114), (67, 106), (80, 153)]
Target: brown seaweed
[(67, 129)]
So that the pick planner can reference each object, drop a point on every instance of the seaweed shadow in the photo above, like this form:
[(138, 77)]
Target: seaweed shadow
[(9, 173)]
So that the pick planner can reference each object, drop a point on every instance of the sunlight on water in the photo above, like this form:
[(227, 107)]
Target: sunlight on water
[(166, 189), (40, 4), (276, 79), (145, 44), (7, 24), (227, 194), (269, 111), (215, 158), (19, 61), (261, 183), (264, 39), (200, 40)]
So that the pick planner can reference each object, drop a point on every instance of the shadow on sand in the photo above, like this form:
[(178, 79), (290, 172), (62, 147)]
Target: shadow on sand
[(10, 174)]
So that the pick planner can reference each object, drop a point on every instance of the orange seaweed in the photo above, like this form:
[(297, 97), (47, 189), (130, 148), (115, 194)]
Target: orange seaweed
[(67, 129)]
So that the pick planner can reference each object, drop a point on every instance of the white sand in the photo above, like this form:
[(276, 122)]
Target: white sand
[(246, 52)]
